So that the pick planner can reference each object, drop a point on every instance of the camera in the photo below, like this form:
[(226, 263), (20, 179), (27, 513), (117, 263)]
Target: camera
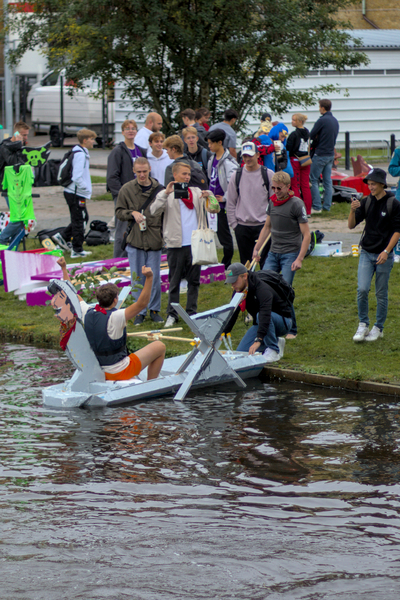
[(181, 190)]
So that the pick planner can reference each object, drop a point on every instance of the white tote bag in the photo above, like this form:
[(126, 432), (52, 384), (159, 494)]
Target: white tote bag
[(204, 249)]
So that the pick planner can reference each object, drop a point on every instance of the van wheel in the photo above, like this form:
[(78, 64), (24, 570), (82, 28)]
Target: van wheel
[(55, 137)]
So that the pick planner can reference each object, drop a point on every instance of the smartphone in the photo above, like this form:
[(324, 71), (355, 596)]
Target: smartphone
[(181, 190)]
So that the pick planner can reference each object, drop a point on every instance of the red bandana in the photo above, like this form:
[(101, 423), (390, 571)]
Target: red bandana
[(277, 202), (188, 202), (66, 330), (98, 308)]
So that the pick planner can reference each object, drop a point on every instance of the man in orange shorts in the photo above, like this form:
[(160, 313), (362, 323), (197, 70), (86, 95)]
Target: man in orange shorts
[(105, 328)]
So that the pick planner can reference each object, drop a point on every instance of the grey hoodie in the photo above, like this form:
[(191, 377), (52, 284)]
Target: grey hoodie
[(226, 166)]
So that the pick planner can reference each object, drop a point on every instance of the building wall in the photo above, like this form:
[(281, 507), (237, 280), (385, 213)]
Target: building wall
[(367, 105), (384, 13)]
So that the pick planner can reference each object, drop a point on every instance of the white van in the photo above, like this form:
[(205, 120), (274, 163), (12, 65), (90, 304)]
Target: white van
[(80, 110)]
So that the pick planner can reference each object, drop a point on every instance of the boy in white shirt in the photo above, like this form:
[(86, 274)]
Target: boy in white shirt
[(79, 190), (158, 157)]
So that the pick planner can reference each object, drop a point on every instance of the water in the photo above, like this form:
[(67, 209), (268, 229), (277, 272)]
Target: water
[(277, 492)]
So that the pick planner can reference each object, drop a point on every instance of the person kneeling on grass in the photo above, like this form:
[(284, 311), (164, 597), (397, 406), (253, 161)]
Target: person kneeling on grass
[(271, 313), (105, 328)]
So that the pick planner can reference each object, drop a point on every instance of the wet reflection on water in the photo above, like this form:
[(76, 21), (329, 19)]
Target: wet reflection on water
[(277, 491)]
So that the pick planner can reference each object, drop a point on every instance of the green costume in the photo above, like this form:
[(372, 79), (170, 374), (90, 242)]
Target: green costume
[(19, 192)]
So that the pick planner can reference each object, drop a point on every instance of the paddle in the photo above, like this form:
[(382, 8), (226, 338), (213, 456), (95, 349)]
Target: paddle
[(138, 333), (250, 266)]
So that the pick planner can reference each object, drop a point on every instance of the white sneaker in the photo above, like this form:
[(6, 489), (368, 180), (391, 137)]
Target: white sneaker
[(248, 319), (314, 211), (281, 344), (58, 238), (397, 258), (270, 355), (374, 334), (80, 254), (170, 322), (361, 333)]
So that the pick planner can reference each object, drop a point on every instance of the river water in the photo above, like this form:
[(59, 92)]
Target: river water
[(278, 492)]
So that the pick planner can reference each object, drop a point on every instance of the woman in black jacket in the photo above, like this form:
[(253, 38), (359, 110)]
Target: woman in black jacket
[(120, 171), (297, 146)]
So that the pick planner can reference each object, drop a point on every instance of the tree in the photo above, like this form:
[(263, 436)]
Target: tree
[(175, 54)]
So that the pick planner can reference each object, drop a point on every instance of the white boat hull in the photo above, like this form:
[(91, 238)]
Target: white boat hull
[(114, 393)]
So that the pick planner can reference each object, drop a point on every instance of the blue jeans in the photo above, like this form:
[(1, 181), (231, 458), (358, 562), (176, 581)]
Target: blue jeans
[(321, 165), (151, 258), (9, 232), (278, 326), (281, 263), (366, 269)]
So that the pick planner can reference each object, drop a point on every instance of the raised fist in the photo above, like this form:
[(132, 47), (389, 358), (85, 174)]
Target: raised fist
[(147, 272)]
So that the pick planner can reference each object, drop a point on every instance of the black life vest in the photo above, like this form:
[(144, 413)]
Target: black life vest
[(107, 351)]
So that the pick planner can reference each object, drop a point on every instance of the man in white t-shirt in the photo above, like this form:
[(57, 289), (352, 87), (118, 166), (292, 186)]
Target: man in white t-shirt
[(180, 219), (152, 124), (105, 328)]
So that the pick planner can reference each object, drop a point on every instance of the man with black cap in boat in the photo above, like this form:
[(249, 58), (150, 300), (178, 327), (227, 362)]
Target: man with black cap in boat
[(268, 305), (381, 212)]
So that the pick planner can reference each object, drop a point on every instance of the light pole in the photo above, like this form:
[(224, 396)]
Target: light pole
[(7, 78)]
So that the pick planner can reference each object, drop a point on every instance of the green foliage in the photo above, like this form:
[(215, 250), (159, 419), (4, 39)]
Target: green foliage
[(172, 54), (87, 282), (98, 179)]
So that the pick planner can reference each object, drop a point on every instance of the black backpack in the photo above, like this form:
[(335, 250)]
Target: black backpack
[(46, 175), (48, 233), (98, 233), (64, 176), (264, 173), (281, 287), (197, 177)]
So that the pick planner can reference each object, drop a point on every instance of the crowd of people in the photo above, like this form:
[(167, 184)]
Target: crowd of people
[(267, 191), (161, 187)]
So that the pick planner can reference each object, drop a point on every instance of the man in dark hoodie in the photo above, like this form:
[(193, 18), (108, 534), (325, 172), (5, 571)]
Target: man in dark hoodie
[(11, 154), (381, 212), (271, 313), (120, 171)]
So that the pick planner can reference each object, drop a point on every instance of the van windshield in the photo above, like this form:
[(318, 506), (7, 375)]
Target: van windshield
[(51, 78)]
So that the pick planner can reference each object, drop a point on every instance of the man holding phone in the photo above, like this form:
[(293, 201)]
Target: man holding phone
[(182, 206)]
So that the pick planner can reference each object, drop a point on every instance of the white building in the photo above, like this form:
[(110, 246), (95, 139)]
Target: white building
[(368, 104)]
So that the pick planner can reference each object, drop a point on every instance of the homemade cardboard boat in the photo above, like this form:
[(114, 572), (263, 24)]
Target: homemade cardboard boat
[(204, 366)]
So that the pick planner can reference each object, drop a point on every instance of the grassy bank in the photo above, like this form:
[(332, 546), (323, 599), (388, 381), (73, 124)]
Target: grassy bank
[(326, 312)]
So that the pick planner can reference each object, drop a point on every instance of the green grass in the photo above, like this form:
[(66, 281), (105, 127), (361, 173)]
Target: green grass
[(339, 211), (98, 179), (107, 196), (370, 153), (326, 312)]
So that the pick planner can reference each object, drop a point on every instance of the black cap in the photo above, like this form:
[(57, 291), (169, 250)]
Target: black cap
[(234, 271), (377, 175), (266, 116), (216, 135)]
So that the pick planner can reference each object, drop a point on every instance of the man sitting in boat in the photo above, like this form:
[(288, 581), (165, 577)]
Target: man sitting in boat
[(271, 312), (105, 328)]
